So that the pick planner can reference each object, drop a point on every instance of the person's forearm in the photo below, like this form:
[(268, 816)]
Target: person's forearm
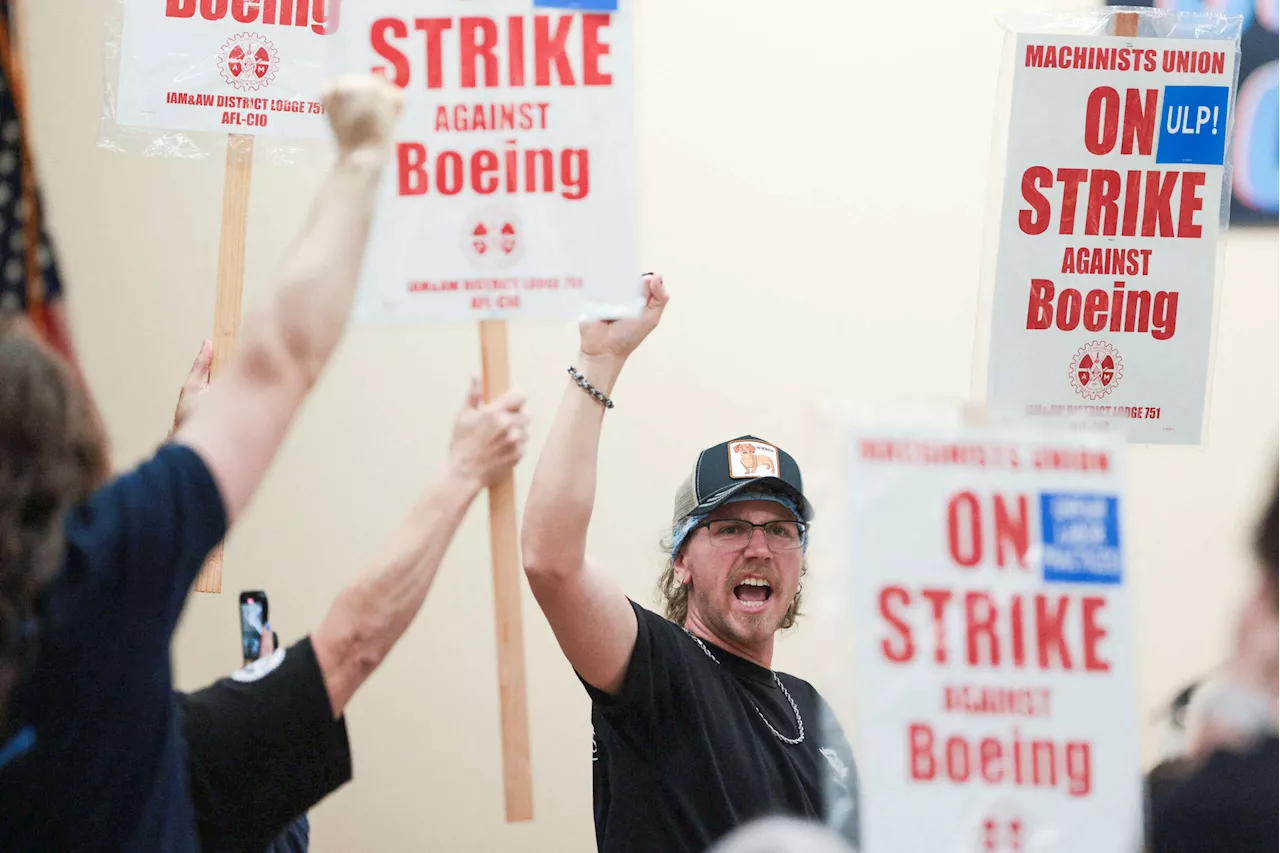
[(305, 318), (244, 416), (558, 508), (369, 616)]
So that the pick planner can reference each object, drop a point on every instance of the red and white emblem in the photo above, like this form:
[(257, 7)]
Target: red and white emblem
[(248, 61), (493, 239), (1096, 369)]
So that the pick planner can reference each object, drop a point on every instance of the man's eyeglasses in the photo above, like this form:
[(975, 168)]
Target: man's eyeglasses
[(732, 533)]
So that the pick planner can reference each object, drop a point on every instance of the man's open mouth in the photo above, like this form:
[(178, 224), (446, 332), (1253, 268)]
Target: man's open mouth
[(753, 592)]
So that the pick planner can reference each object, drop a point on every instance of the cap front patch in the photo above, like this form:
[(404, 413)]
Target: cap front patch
[(751, 459)]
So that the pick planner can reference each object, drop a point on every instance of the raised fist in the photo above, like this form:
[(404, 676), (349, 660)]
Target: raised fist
[(362, 111)]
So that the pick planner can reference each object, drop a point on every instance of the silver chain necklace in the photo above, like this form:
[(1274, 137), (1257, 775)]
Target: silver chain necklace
[(778, 681)]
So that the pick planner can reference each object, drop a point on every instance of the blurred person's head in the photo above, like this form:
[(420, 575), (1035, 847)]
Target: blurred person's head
[(782, 835), (52, 456), (1266, 549)]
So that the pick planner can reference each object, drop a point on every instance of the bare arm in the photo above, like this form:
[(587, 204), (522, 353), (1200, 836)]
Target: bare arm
[(367, 618), (590, 616), (244, 416)]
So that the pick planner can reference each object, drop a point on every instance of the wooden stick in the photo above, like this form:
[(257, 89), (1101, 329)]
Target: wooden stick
[(17, 32), (226, 315), (517, 782), (1126, 24)]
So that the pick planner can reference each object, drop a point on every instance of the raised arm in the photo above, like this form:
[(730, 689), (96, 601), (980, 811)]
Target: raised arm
[(367, 618), (589, 614), (286, 343)]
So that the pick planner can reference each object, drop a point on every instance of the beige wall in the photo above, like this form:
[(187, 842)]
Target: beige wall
[(821, 173)]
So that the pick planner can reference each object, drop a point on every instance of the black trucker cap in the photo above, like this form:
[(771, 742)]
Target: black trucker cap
[(744, 463)]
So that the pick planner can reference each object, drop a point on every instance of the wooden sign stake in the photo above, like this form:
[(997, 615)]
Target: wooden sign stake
[(226, 315), (517, 782)]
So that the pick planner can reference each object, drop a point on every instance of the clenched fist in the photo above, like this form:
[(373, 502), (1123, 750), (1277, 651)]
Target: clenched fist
[(362, 111), (488, 438)]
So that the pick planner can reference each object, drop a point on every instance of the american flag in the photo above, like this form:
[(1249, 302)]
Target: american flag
[(29, 281)]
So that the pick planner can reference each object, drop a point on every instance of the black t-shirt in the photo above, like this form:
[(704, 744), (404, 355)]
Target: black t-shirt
[(107, 767), (262, 748), (1228, 805), (681, 755)]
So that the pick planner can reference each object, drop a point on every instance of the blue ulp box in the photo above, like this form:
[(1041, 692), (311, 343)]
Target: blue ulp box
[(578, 5), (1193, 125), (1080, 538)]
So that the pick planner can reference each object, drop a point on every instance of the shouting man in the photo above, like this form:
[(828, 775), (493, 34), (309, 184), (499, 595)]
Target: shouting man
[(695, 732)]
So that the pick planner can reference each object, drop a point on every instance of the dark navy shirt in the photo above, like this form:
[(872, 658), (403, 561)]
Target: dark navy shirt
[(107, 769)]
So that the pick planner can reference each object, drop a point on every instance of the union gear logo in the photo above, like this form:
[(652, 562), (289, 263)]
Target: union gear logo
[(1096, 369), (493, 239), (248, 61), (750, 459)]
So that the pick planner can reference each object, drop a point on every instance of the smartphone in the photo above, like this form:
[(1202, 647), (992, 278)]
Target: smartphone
[(253, 616)]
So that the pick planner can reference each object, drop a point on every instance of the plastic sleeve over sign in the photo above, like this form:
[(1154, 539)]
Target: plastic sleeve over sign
[(1110, 184), (181, 80)]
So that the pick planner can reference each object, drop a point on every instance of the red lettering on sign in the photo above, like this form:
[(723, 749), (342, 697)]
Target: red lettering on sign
[(322, 16), (1102, 120), (549, 49), (980, 619), (1139, 120), (1036, 220), (482, 49), (907, 649), (1143, 207), (964, 529), (965, 524), (543, 172), (1014, 761), (385, 28), (1093, 634), (593, 49), (990, 628), (473, 45), (1012, 529), (1108, 261), (938, 598), (1140, 311), (1049, 632)]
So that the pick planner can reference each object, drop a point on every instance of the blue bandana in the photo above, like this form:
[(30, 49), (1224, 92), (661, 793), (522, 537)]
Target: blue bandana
[(681, 531)]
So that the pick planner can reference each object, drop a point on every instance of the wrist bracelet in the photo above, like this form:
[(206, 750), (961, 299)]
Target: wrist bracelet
[(589, 388)]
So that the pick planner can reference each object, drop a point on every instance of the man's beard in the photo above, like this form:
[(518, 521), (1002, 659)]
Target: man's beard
[(743, 628)]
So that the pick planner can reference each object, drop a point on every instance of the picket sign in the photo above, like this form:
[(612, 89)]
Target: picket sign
[(995, 659), (512, 197), (1094, 265)]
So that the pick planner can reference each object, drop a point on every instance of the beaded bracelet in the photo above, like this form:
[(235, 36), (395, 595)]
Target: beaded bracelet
[(590, 389)]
